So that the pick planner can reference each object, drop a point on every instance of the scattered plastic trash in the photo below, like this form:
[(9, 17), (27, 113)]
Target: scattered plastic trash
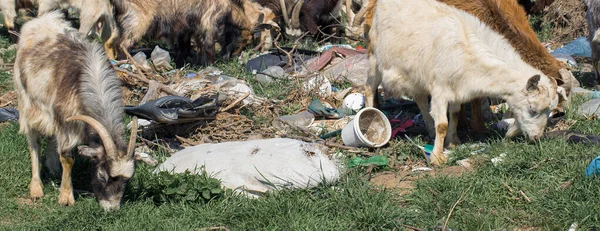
[(140, 59), (592, 94), (141, 123), (369, 128), (401, 126), (8, 114), (161, 59), (303, 119), (174, 109), (321, 83), (499, 159), (278, 58), (191, 75), (353, 68), (590, 108), (575, 137), (319, 109), (323, 126), (327, 47), (578, 47), (422, 169), (427, 148), (257, 166), (373, 160), (354, 102), (593, 168), (573, 227)]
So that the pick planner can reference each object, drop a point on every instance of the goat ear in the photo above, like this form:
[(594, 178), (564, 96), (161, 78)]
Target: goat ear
[(92, 153), (532, 83)]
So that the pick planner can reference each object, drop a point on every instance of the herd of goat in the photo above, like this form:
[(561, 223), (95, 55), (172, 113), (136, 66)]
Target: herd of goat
[(442, 53)]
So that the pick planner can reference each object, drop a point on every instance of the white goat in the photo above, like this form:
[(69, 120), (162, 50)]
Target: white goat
[(423, 47)]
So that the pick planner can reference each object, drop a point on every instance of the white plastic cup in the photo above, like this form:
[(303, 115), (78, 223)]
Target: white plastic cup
[(369, 128)]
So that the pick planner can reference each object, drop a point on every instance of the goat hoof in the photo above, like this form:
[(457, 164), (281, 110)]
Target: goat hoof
[(66, 199), (36, 189), (453, 142), (437, 159)]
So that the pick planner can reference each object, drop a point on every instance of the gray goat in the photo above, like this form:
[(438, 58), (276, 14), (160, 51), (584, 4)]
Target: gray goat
[(67, 91)]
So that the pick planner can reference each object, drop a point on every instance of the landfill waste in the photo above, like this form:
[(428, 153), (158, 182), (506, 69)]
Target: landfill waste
[(320, 83), (592, 94), (590, 108), (593, 168), (256, 166), (8, 114), (140, 59), (276, 57), (369, 128), (174, 109), (354, 102), (498, 160), (303, 119), (378, 160), (268, 75), (161, 59)]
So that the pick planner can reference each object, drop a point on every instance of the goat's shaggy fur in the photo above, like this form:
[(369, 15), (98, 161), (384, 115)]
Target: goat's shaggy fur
[(454, 57), (59, 74), (508, 18), (183, 19)]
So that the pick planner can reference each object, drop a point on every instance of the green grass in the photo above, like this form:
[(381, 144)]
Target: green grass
[(550, 173)]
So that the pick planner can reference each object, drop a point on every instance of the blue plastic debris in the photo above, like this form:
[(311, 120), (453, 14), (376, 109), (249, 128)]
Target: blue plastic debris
[(578, 47), (593, 168), (190, 75)]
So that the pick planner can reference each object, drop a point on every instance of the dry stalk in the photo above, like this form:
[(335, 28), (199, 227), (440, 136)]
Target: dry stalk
[(142, 78), (462, 195), (235, 102)]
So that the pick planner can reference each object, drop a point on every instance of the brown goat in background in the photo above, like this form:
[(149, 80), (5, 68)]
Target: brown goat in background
[(61, 77), (206, 21)]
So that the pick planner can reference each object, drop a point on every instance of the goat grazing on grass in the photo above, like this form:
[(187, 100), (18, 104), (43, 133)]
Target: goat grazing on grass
[(63, 80), (454, 57), (206, 21), (508, 18)]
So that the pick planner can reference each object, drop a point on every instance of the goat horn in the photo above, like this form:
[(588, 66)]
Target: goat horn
[(109, 144), (296, 14), (132, 137), (286, 18)]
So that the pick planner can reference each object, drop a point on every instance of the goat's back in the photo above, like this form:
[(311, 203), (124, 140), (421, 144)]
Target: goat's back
[(445, 48), (56, 70)]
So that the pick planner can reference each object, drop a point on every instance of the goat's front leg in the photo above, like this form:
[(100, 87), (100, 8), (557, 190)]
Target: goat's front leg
[(452, 139), (35, 186), (52, 159), (65, 196), (439, 108), (374, 78)]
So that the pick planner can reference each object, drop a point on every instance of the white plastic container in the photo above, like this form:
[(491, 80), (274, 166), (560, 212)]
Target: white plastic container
[(369, 128)]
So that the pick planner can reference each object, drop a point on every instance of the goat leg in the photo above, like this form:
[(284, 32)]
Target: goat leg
[(477, 123), (35, 187), (452, 139), (65, 196)]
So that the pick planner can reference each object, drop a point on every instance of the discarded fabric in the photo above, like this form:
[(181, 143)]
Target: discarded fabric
[(257, 166)]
